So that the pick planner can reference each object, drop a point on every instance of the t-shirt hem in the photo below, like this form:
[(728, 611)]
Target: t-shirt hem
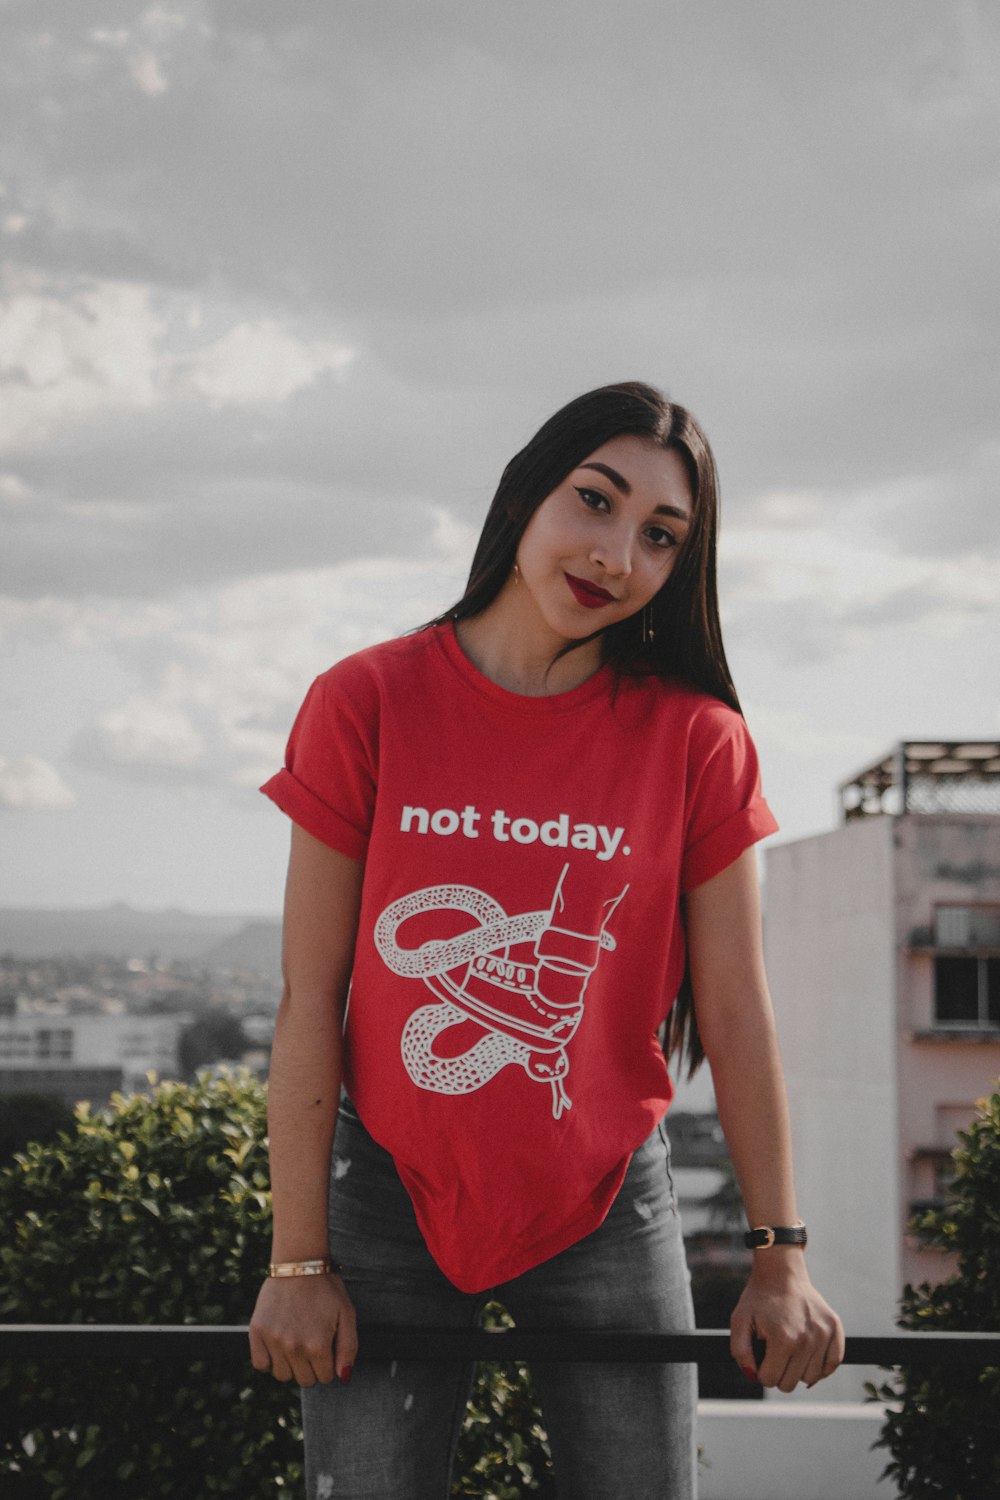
[(515, 1265), (312, 814)]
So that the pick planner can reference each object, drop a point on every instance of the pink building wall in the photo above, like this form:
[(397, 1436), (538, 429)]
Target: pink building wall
[(874, 1086)]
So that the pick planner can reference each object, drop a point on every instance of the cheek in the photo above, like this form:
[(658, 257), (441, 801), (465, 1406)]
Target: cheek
[(549, 534), (658, 571)]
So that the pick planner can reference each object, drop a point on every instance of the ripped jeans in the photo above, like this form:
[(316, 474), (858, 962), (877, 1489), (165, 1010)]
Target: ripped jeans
[(617, 1431)]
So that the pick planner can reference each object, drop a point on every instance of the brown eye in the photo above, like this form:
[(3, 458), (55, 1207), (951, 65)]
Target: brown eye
[(660, 537), (592, 499)]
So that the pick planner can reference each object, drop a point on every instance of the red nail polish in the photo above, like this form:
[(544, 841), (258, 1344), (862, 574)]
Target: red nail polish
[(345, 1374), (750, 1373)]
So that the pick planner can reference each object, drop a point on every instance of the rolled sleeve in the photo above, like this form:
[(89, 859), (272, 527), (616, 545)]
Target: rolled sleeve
[(718, 849), (726, 811), (327, 785), (314, 815)]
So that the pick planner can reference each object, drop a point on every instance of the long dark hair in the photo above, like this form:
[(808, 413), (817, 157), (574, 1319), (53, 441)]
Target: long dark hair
[(686, 635)]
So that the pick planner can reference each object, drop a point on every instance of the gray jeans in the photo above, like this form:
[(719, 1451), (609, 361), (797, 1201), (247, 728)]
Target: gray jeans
[(616, 1430)]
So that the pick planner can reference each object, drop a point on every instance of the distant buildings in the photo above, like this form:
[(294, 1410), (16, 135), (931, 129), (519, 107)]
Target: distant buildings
[(86, 1056), (86, 1026), (883, 953)]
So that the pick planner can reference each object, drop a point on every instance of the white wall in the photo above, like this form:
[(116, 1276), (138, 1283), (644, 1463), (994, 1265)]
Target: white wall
[(829, 942), (784, 1450)]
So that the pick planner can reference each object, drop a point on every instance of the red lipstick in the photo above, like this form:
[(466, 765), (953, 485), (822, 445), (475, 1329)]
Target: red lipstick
[(590, 595)]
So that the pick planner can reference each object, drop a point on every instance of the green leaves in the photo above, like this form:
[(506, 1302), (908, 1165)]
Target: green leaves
[(503, 1453), (943, 1435), (138, 1215)]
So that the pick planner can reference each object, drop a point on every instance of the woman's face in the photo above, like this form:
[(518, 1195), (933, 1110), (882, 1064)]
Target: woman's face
[(603, 543)]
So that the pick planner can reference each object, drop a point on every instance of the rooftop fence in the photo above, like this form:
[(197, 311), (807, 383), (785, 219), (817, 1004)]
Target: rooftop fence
[(505, 1345)]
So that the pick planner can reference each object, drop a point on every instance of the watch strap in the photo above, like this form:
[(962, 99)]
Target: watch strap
[(763, 1236)]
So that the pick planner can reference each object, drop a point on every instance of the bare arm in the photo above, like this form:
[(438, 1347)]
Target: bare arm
[(304, 1327), (804, 1337)]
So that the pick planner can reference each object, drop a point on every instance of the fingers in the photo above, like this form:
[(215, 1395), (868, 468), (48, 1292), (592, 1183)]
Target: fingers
[(260, 1355), (741, 1341), (785, 1334), (306, 1363), (345, 1346), (294, 1330), (826, 1356), (833, 1355), (803, 1358), (272, 1354)]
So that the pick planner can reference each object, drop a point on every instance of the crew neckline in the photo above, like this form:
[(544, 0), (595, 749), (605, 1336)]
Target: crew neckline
[(594, 687)]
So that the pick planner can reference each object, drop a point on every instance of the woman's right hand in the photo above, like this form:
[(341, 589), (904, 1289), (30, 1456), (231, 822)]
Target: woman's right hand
[(304, 1328)]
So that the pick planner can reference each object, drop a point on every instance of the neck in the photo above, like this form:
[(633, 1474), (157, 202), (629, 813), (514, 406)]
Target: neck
[(520, 654)]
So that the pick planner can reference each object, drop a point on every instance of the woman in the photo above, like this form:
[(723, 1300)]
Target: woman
[(517, 835)]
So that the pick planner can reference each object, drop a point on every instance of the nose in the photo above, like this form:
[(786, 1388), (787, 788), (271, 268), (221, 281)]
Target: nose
[(613, 552)]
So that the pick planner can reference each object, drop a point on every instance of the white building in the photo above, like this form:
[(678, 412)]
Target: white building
[(86, 1056), (883, 953)]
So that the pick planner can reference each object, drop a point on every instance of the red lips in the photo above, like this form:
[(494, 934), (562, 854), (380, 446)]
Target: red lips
[(590, 595)]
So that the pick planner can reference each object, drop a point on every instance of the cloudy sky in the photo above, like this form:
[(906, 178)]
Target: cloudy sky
[(285, 284)]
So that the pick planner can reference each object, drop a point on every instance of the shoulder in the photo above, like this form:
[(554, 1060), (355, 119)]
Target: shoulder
[(698, 717), (381, 667)]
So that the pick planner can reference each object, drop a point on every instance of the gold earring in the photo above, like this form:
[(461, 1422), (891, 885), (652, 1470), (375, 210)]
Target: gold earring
[(648, 632)]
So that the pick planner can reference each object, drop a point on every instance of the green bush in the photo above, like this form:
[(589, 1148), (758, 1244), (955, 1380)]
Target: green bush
[(944, 1434), (157, 1210), (503, 1452)]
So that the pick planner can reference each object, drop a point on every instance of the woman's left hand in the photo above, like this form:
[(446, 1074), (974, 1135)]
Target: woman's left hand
[(803, 1336)]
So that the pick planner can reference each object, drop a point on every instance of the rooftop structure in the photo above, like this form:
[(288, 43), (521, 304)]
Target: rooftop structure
[(927, 776)]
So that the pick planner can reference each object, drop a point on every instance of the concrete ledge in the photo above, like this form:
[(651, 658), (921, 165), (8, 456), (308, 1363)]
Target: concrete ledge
[(777, 1450)]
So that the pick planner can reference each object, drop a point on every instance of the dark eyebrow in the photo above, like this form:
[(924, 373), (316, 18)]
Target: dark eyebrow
[(671, 510), (618, 480), (621, 483)]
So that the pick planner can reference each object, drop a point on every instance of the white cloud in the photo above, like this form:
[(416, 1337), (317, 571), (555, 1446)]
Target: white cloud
[(145, 69), (13, 490), (162, 23), (102, 36), (31, 784), (827, 555), (146, 59), (259, 361), (68, 353), (151, 733), (74, 351), (219, 673)]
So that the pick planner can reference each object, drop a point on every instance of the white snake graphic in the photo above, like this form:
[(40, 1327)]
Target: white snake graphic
[(529, 1011)]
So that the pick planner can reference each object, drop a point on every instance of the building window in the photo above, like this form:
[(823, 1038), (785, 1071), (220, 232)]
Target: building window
[(967, 978), (967, 926), (55, 1042)]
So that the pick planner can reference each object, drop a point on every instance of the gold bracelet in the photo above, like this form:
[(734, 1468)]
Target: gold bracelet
[(302, 1267)]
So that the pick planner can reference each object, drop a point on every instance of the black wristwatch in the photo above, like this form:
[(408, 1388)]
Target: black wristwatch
[(765, 1235)]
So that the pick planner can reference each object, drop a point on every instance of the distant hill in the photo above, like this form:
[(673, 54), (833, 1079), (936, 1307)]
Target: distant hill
[(119, 931), (256, 947)]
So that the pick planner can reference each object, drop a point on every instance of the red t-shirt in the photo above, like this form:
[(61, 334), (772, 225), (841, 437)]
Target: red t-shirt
[(520, 938)]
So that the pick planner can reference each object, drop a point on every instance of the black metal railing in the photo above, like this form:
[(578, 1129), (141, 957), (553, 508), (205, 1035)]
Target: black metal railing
[(20, 1341)]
